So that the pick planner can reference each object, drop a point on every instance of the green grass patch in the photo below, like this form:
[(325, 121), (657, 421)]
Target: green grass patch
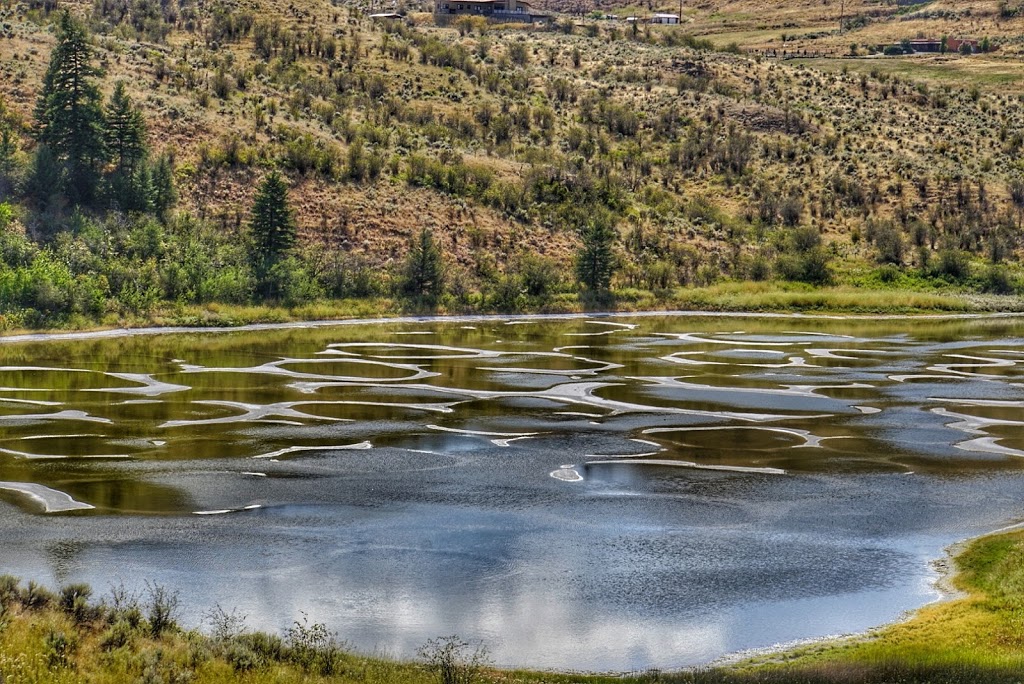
[(777, 297), (781, 297), (976, 638)]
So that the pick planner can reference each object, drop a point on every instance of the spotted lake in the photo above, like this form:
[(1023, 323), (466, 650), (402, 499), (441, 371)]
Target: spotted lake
[(607, 493)]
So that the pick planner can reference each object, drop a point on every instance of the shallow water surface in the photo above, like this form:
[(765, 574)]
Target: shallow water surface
[(607, 493)]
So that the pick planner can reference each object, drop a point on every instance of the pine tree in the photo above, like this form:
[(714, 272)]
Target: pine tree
[(272, 228), (8, 149), (124, 132), (43, 181), (595, 261), (131, 190), (424, 268), (164, 194), (69, 115), (9, 164), (140, 189)]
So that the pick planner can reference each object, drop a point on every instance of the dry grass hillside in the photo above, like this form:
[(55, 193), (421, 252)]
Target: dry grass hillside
[(710, 160), (815, 24)]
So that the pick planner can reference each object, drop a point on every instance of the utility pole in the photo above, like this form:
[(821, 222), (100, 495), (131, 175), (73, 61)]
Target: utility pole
[(842, 13)]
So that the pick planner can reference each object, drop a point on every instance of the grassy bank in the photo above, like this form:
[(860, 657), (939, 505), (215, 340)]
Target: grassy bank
[(776, 297), (983, 631), (67, 638)]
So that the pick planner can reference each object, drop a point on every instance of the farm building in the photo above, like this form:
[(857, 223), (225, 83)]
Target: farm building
[(496, 10), (665, 19), (926, 45), (935, 44), (954, 44)]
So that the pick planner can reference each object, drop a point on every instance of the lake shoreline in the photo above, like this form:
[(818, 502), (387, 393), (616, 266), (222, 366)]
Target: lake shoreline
[(108, 332), (964, 630), (721, 299), (945, 584)]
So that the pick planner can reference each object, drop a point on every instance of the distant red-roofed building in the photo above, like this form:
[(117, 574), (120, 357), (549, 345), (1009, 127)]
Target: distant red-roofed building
[(955, 44)]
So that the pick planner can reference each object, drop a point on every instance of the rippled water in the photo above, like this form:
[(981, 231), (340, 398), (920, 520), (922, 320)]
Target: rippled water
[(611, 493)]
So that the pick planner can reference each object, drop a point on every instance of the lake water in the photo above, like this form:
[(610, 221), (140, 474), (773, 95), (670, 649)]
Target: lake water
[(608, 493)]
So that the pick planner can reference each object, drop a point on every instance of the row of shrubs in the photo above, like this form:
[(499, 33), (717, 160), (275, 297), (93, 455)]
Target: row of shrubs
[(124, 619), (124, 267), (130, 265)]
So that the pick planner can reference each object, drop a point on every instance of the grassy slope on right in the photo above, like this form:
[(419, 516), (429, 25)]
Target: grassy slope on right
[(975, 638)]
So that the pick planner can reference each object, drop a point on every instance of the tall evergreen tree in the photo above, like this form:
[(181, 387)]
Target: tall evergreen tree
[(8, 149), (272, 228), (164, 194), (69, 114), (424, 268), (43, 181), (124, 131), (134, 184), (595, 260), (8, 152)]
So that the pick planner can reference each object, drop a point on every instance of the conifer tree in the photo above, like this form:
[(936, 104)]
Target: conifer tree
[(124, 131), (9, 164), (424, 268), (8, 149), (272, 229), (164, 194), (69, 115), (595, 260), (44, 176), (129, 184)]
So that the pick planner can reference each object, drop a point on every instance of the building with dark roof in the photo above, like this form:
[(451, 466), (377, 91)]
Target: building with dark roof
[(494, 10)]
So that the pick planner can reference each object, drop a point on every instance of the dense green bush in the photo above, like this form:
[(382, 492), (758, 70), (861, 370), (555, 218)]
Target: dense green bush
[(952, 264), (889, 242), (997, 280)]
